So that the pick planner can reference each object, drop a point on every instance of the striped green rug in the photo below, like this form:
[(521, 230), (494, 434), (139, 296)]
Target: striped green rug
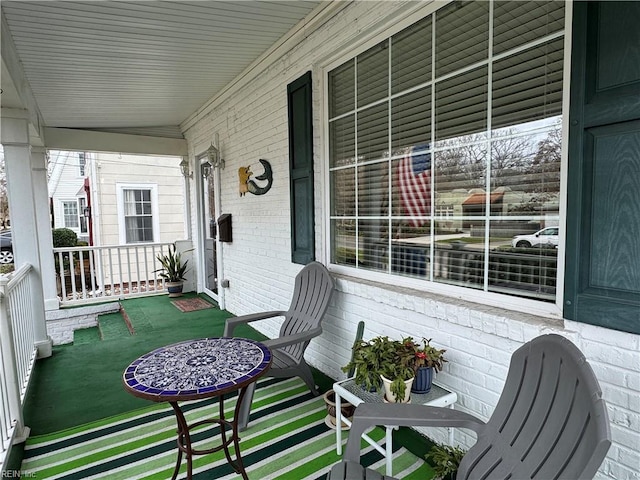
[(287, 440)]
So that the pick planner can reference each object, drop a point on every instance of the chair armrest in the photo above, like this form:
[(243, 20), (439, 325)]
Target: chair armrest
[(293, 339), (404, 415), (231, 323)]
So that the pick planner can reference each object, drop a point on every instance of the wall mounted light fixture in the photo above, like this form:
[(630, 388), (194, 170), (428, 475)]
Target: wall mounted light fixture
[(206, 169), (184, 168), (214, 158)]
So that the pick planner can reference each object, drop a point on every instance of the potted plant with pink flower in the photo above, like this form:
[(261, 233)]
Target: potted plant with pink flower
[(428, 360)]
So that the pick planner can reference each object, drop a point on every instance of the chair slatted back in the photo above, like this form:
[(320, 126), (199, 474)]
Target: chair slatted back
[(312, 293), (550, 421)]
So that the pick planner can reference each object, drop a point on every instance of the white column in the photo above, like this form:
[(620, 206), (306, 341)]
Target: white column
[(187, 197), (43, 221), (24, 225)]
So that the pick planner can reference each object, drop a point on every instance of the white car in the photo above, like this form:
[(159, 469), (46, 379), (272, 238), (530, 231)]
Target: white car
[(546, 236)]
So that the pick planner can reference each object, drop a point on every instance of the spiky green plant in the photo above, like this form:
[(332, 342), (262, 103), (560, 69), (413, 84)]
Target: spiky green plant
[(173, 268)]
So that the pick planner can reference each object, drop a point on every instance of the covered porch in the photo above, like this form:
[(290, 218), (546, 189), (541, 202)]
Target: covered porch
[(328, 94)]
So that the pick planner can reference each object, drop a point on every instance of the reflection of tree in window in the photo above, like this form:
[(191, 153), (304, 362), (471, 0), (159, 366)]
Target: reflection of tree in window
[(137, 216)]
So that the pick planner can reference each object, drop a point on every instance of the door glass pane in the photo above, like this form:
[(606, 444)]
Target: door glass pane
[(210, 233)]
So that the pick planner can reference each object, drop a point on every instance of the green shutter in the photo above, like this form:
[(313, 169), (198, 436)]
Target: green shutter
[(602, 281), (301, 170)]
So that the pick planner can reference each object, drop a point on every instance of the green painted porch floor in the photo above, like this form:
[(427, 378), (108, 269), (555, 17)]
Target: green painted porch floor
[(81, 382)]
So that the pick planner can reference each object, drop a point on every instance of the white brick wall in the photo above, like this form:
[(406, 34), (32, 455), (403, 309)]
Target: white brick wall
[(251, 120), (62, 323)]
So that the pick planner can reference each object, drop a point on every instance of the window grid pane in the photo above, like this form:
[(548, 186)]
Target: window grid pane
[(138, 218), (453, 211), (411, 56), (373, 74), (462, 36), (70, 213)]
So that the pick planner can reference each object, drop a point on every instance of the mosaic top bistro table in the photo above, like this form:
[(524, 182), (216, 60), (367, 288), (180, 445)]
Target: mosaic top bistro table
[(349, 390), (195, 370)]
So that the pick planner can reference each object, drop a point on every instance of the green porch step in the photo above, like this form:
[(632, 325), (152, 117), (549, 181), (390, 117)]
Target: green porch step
[(86, 335), (112, 325)]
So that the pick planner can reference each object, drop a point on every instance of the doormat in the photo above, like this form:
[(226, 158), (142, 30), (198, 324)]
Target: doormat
[(191, 304)]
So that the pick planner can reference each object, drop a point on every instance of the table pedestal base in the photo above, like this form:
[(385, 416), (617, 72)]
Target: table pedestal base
[(184, 438)]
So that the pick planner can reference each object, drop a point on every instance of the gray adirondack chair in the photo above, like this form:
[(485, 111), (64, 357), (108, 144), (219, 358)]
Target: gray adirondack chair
[(550, 421), (312, 293)]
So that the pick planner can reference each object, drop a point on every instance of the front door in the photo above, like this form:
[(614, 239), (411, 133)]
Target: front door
[(209, 233)]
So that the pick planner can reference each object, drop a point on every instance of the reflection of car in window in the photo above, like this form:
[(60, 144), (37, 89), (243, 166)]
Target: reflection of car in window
[(6, 247), (546, 236)]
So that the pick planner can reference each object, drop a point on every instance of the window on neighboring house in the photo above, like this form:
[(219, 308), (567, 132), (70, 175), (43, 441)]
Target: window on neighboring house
[(136, 206), (70, 214), (82, 203), (81, 163), (444, 143)]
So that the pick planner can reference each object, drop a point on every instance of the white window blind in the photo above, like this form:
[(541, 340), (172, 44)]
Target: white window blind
[(138, 215)]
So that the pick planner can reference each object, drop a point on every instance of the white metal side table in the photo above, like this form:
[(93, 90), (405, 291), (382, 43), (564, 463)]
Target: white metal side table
[(348, 390)]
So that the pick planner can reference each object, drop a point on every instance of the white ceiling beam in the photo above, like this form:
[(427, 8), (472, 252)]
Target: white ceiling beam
[(92, 141)]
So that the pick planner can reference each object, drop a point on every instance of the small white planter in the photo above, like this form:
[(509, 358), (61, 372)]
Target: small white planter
[(390, 397)]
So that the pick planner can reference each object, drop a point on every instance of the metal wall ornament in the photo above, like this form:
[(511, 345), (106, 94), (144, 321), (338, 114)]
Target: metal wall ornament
[(248, 185)]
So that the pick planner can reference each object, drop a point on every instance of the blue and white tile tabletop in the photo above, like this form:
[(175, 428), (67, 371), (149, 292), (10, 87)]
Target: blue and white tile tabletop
[(197, 369)]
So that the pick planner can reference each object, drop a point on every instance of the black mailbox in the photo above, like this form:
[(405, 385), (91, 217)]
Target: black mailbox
[(224, 228)]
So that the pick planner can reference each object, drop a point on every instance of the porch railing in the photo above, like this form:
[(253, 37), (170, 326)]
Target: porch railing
[(87, 274), (17, 354)]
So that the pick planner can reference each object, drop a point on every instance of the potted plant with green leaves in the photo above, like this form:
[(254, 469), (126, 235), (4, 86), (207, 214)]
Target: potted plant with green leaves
[(428, 360), (445, 460), (383, 361), (173, 270)]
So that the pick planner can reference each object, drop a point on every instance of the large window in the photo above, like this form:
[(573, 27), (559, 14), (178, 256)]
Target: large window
[(444, 146), (136, 207)]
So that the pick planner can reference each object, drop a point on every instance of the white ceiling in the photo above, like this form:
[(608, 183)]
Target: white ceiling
[(120, 64)]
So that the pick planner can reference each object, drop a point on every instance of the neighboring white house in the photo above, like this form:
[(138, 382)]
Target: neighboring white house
[(117, 199), (67, 173), (112, 199)]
